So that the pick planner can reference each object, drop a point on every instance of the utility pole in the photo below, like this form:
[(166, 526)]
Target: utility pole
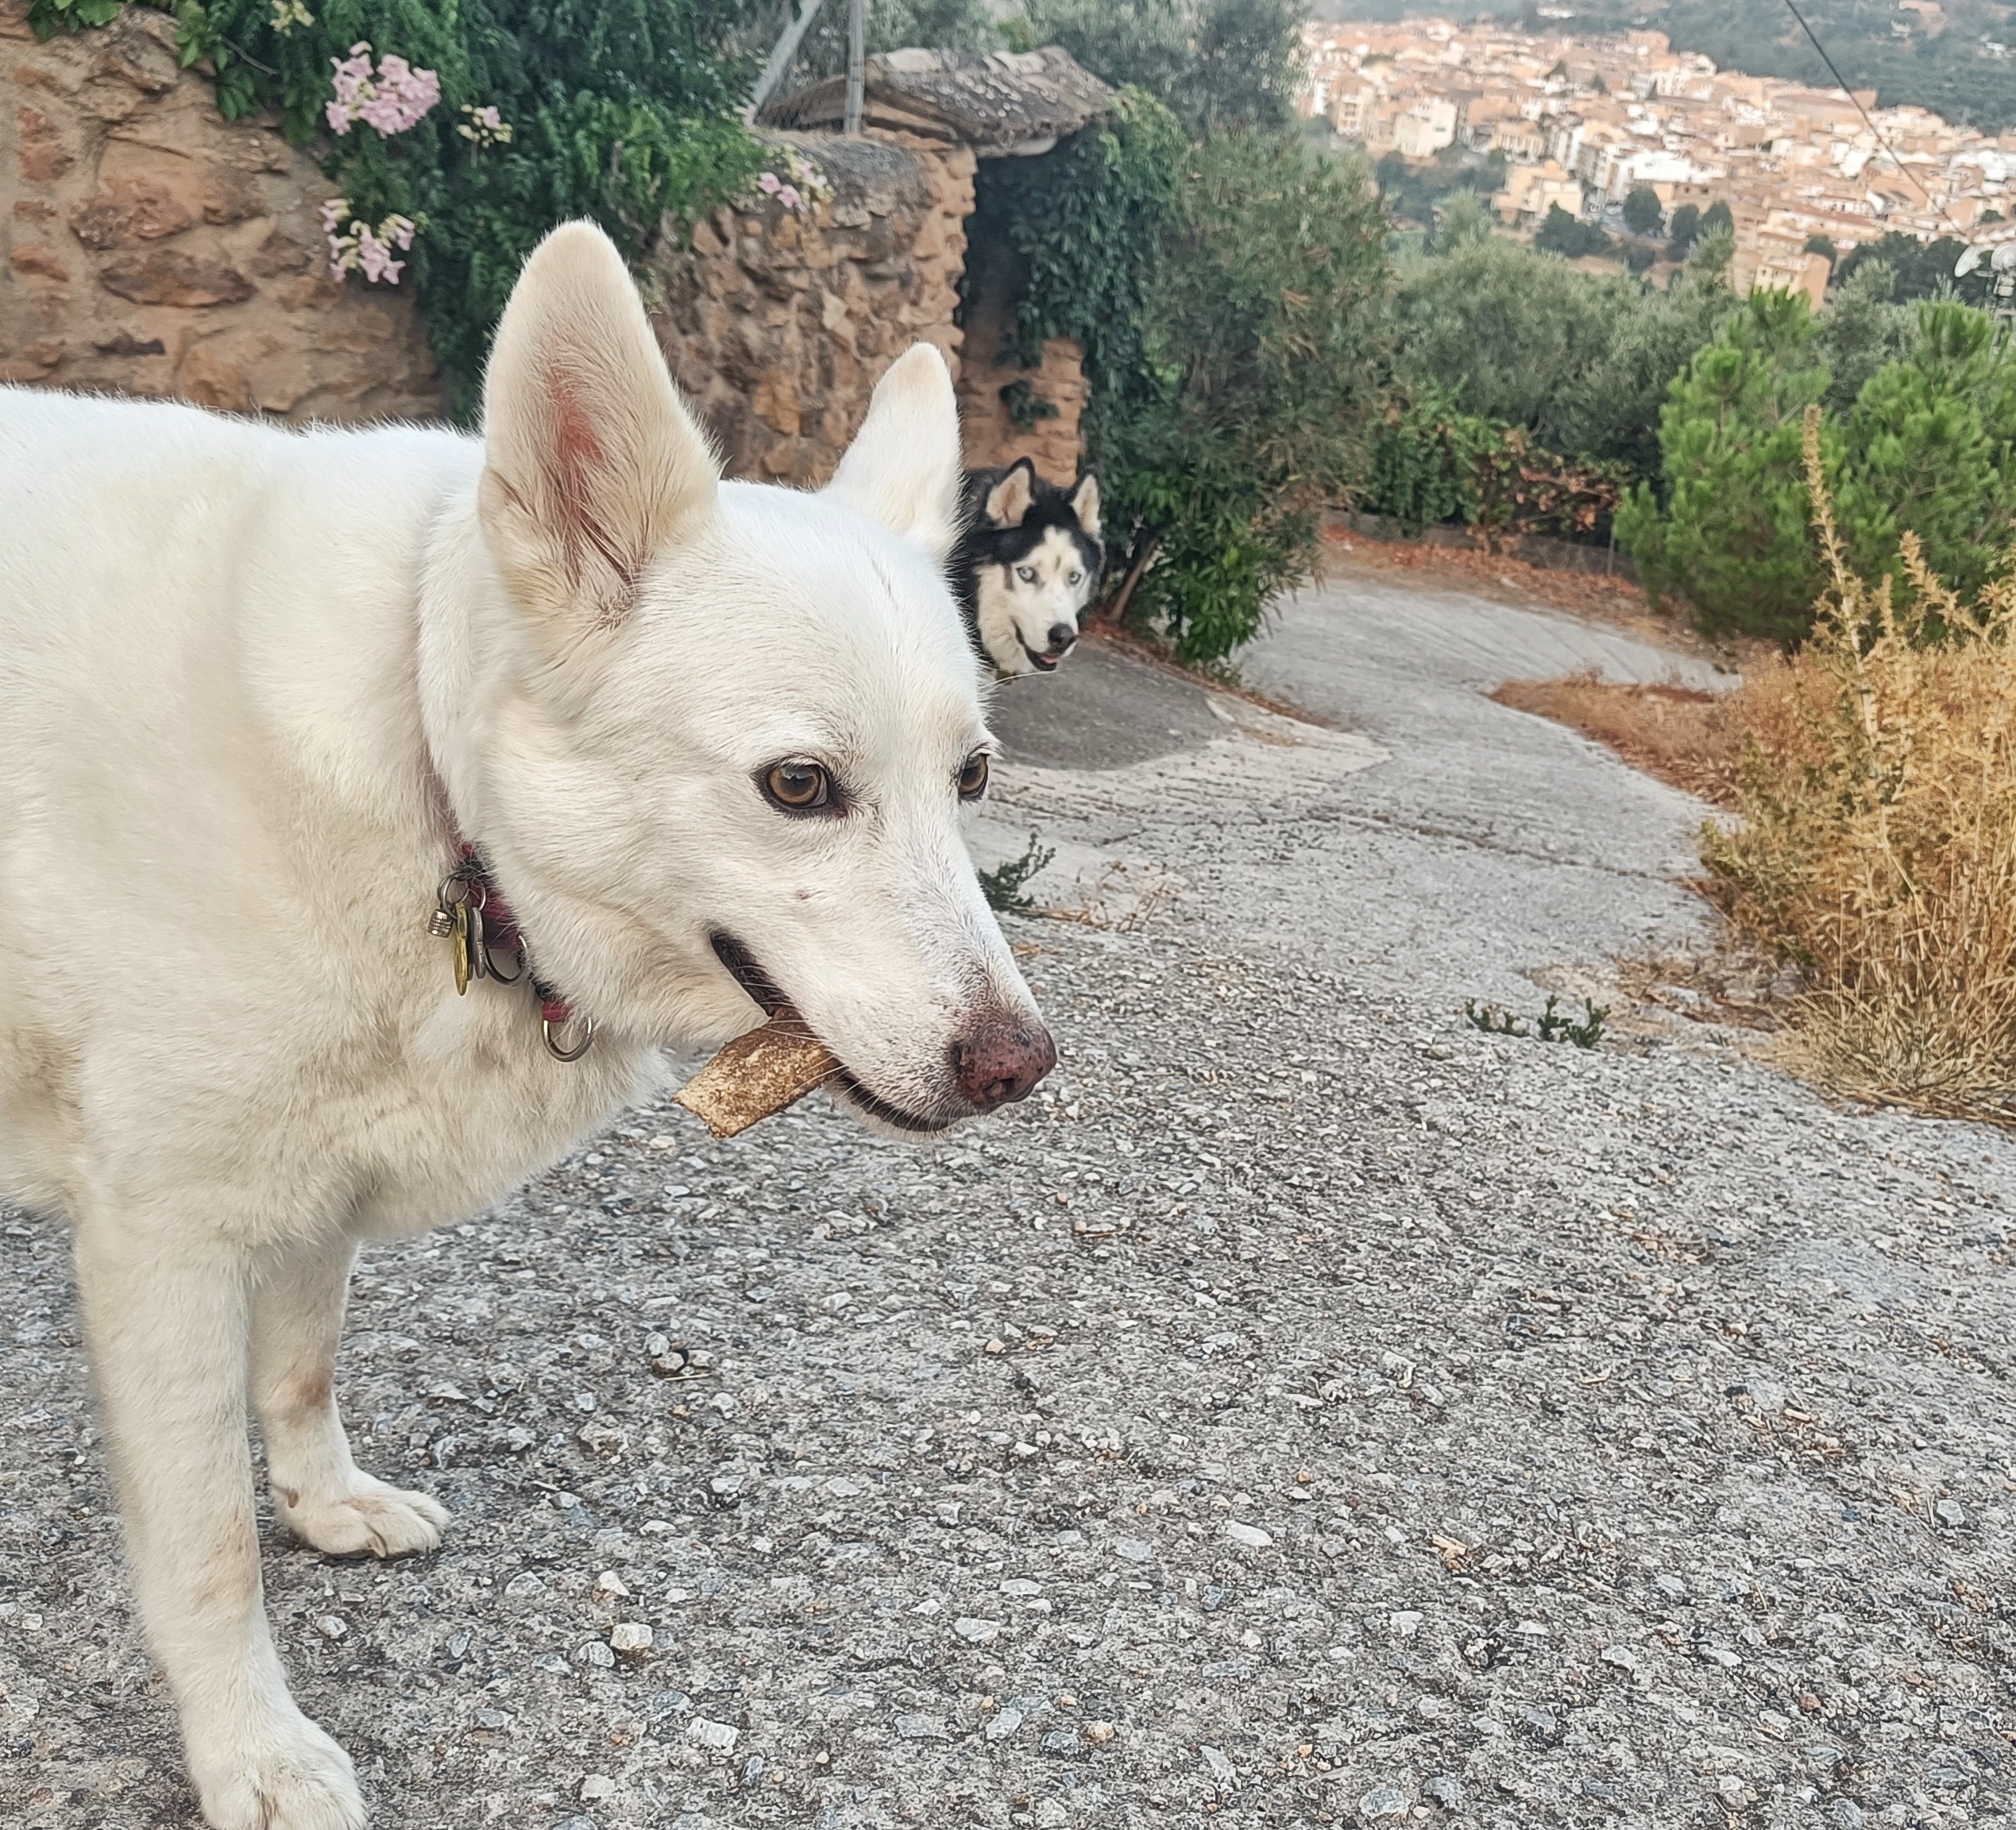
[(857, 59)]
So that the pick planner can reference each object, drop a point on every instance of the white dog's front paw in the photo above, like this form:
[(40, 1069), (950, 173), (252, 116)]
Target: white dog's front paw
[(296, 1778), (369, 1516)]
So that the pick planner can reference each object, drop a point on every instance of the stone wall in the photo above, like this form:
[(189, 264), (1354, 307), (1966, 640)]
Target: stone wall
[(777, 323), (151, 247)]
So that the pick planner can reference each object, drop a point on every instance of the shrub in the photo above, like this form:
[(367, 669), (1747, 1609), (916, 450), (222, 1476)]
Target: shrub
[(1877, 845), (1264, 335), (1579, 362), (1642, 213), (1730, 535), (1683, 231), (1431, 463), (1564, 234), (1862, 332), (1425, 463), (1928, 446), (1919, 269)]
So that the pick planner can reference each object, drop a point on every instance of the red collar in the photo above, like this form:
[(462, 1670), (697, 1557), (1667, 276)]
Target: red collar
[(500, 930)]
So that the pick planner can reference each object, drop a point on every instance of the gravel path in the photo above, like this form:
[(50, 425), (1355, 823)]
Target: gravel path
[(1308, 1411)]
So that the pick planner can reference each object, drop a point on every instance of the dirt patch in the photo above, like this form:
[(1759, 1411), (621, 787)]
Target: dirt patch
[(1687, 738)]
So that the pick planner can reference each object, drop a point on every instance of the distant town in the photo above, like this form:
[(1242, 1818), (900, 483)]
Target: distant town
[(1581, 122)]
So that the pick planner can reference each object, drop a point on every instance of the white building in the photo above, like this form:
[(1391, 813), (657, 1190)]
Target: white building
[(1425, 129)]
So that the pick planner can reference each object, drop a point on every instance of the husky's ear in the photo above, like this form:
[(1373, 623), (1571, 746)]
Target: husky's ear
[(1084, 500), (590, 463), (1012, 498), (904, 468)]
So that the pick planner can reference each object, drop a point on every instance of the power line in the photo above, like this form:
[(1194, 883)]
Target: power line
[(1834, 71)]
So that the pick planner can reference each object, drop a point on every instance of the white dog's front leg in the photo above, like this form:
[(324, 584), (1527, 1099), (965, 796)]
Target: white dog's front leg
[(297, 1320), (168, 1325)]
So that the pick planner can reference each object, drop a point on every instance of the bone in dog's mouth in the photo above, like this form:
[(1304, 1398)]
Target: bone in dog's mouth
[(784, 1019)]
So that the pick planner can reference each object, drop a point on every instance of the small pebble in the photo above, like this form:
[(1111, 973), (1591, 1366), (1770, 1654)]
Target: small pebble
[(1446, 1790)]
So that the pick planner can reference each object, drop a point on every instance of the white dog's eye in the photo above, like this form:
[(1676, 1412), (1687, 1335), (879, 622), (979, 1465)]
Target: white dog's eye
[(1026, 573), (973, 777), (798, 787), (1074, 578)]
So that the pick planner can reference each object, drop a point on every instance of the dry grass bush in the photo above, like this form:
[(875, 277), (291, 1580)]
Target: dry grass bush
[(1683, 736), (1876, 848)]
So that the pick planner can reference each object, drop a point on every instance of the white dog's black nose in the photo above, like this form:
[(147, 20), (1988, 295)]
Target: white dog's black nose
[(1001, 1059), (1062, 636)]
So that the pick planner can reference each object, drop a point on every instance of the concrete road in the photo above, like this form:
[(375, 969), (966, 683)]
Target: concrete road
[(1308, 1410)]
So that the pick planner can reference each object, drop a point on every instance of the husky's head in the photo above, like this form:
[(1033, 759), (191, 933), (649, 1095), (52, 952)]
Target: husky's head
[(723, 732), (1037, 559)]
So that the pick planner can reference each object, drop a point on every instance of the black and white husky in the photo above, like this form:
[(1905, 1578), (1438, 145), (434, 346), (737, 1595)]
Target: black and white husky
[(1026, 565)]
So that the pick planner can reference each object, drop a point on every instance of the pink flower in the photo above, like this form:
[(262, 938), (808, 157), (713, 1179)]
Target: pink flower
[(376, 260), (789, 197), (396, 98), (361, 248), (770, 183)]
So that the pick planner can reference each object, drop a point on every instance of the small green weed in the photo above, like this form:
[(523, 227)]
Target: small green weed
[(1492, 1020), (1553, 1025), (1002, 887)]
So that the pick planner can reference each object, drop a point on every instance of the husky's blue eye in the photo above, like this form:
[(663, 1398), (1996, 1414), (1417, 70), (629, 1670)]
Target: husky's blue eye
[(1026, 573), (973, 777), (797, 787)]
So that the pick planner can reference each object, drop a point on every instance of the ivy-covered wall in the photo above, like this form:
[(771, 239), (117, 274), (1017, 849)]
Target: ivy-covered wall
[(151, 247), (1007, 409)]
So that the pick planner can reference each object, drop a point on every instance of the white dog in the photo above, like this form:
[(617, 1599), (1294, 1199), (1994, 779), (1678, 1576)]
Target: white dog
[(257, 691)]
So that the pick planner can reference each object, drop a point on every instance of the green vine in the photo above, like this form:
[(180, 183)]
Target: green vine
[(622, 110)]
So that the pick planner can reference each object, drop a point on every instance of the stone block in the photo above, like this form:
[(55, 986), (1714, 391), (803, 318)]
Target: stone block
[(175, 276), (43, 263), (41, 155)]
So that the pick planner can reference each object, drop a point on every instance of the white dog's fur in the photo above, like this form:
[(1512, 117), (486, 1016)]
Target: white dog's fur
[(253, 686)]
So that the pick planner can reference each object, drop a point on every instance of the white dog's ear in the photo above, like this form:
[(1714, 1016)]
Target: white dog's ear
[(904, 466), (591, 463), (1012, 498), (1085, 503)]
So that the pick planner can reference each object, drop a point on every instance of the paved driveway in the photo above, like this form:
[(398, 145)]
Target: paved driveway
[(1308, 1411)]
